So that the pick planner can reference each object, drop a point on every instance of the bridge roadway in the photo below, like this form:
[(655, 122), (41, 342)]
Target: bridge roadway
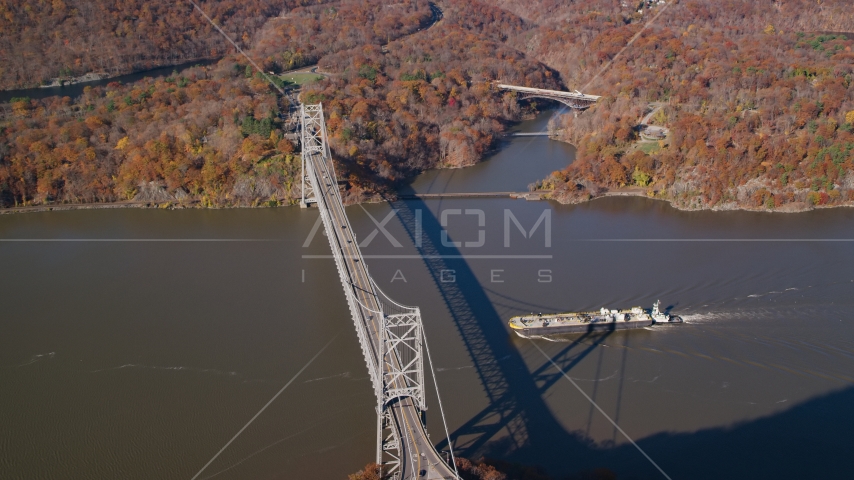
[(555, 93), (576, 99), (419, 458)]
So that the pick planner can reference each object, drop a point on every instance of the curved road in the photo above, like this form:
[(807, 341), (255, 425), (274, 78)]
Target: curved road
[(653, 129)]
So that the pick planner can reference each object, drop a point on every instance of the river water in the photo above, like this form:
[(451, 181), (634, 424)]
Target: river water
[(142, 358)]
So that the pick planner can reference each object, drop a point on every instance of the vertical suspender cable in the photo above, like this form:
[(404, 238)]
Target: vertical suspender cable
[(441, 410)]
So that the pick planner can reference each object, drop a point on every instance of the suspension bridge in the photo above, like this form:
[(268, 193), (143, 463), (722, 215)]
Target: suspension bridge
[(391, 335)]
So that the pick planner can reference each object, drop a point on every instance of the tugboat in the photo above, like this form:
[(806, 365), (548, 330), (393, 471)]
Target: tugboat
[(582, 322)]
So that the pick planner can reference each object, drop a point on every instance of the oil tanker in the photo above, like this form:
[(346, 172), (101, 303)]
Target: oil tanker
[(582, 322)]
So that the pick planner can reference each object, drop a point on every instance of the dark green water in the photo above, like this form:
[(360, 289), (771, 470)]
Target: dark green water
[(141, 359)]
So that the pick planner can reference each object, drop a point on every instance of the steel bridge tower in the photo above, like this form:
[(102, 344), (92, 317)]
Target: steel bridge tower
[(313, 142)]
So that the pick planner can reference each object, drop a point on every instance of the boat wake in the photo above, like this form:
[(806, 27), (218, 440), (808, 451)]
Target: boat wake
[(340, 375), (773, 292), (36, 358), (450, 369), (176, 369)]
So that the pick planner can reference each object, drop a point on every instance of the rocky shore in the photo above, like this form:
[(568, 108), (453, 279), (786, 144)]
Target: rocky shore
[(565, 197), (89, 77)]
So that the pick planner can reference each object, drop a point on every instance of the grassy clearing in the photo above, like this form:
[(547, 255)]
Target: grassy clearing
[(649, 147), (300, 78)]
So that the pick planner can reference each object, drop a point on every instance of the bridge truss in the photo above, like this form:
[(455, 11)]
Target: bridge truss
[(391, 335), (576, 104)]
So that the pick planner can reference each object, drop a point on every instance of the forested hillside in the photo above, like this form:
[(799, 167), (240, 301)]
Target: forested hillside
[(212, 134), (759, 98), (306, 35), (41, 40), (427, 101), (215, 134)]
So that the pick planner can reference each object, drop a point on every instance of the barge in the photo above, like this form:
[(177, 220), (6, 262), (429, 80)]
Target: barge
[(583, 322)]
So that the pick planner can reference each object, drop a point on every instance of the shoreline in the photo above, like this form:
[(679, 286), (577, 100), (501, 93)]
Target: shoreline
[(796, 207), (534, 196), (375, 197), (118, 205), (799, 207), (86, 77)]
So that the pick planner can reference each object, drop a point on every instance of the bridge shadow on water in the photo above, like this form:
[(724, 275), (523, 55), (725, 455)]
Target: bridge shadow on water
[(805, 441), (517, 425)]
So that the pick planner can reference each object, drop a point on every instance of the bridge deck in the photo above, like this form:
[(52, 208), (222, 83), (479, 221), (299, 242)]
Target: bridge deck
[(553, 93), (418, 452)]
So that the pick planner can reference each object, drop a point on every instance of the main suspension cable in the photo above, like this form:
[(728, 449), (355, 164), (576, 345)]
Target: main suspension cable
[(237, 47)]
